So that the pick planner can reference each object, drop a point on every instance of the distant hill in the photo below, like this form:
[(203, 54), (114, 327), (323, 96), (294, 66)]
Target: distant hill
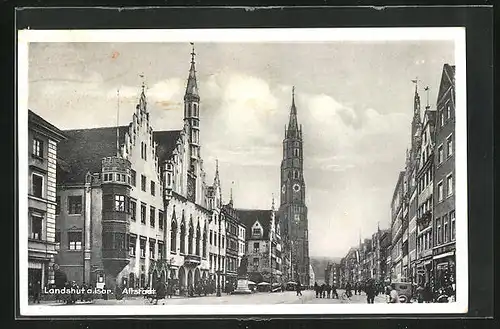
[(319, 265)]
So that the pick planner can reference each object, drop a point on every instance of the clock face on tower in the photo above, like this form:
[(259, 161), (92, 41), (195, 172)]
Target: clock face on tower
[(296, 187), (283, 189)]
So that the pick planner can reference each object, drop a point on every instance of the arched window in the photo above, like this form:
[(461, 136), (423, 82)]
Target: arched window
[(183, 237), (198, 237), (205, 241), (195, 110), (173, 236), (190, 239)]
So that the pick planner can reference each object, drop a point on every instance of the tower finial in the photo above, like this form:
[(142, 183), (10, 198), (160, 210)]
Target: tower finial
[(118, 122), (272, 205), (415, 81), (231, 194), (193, 54)]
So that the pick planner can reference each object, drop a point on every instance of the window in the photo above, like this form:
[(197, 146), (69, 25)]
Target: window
[(37, 185), (183, 238), (449, 184), (296, 152), (438, 233), (256, 262), (448, 110), (143, 183), (133, 177), (440, 154), (442, 118), (58, 205), (452, 224), (142, 247), (160, 250), (153, 188), (211, 234), (143, 150), (256, 247), (152, 249), (173, 237), (58, 238), (449, 146), (440, 191), (133, 210), (131, 245), (256, 231), (195, 110), (190, 240), (120, 203), (160, 220), (37, 148), (222, 242), (445, 229), (204, 244), (143, 213), (152, 218), (36, 227), (75, 240), (75, 204)]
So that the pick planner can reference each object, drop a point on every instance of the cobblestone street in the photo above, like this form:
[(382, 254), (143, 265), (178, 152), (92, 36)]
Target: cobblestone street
[(288, 297)]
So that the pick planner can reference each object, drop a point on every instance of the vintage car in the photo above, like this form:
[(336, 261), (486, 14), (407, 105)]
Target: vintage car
[(404, 290)]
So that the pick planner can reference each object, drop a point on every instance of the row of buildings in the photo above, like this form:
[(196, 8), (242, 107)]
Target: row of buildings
[(131, 205), (419, 246)]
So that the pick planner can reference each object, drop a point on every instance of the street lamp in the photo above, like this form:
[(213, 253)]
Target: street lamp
[(219, 258)]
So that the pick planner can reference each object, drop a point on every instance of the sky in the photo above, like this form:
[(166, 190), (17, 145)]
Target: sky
[(354, 101)]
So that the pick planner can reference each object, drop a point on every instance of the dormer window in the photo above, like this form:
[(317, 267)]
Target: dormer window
[(256, 231)]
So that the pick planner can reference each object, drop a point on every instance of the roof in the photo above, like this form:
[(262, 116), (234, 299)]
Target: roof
[(49, 129), (167, 141), (447, 80), (249, 216), (84, 149)]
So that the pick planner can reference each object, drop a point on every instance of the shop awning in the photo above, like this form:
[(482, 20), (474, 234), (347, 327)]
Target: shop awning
[(446, 254)]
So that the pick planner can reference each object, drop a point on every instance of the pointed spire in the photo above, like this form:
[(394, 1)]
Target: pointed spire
[(427, 106), (231, 194), (216, 177), (192, 84), (142, 99), (117, 122), (293, 126), (272, 204)]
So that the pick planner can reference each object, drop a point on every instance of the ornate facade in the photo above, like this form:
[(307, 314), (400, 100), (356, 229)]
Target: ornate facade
[(145, 208)]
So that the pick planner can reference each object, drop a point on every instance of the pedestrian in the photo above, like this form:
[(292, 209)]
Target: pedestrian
[(348, 289), (370, 292), (298, 287), (328, 290), (334, 292), (160, 291), (104, 293), (316, 289), (393, 295), (36, 292)]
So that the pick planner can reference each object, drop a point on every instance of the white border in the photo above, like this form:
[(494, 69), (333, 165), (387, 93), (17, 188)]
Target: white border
[(456, 34)]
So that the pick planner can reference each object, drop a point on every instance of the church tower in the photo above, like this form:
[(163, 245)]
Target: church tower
[(192, 119), (293, 209)]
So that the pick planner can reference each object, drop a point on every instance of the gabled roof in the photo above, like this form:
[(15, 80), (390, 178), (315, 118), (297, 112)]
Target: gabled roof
[(83, 151), (249, 216), (447, 80), (167, 141)]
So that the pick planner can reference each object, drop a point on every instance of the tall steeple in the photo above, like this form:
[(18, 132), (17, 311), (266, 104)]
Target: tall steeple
[(293, 125), (142, 98), (416, 123), (192, 85)]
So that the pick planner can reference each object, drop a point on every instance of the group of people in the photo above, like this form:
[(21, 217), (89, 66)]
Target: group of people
[(325, 290)]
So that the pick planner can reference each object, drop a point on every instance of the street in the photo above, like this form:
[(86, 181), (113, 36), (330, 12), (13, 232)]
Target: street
[(287, 297)]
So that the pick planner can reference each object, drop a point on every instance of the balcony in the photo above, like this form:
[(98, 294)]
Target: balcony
[(192, 260)]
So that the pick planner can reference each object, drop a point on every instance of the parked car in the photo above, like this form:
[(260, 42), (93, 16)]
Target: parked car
[(404, 290)]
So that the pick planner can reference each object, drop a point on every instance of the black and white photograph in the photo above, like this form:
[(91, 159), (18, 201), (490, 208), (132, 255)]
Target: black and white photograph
[(242, 171)]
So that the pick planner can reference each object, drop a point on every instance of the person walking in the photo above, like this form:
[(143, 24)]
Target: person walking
[(36, 292), (348, 289), (298, 287), (393, 295), (370, 292), (328, 290), (316, 289), (334, 292)]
